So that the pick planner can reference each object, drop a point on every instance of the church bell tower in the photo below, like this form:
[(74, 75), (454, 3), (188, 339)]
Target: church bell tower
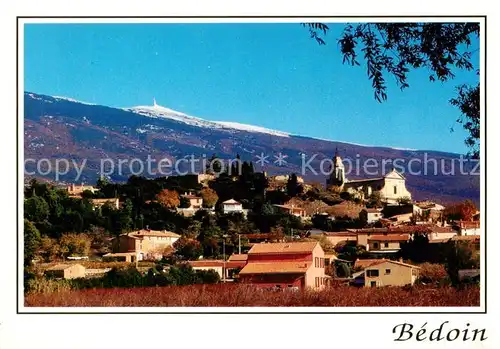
[(337, 177)]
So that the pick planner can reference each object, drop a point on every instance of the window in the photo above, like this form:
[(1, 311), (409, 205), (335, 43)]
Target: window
[(395, 189), (375, 245), (316, 281), (387, 271), (386, 244), (372, 273)]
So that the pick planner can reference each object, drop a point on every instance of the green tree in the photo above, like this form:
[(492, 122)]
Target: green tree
[(75, 245), (36, 209), (397, 48), (459, 255), (187, 249), (374, 200), (342, 270), (405, 200), (292, 186), (32, 240)]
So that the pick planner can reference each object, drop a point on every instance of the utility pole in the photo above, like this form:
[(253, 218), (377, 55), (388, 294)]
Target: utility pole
[(224, 258), (239, 243)]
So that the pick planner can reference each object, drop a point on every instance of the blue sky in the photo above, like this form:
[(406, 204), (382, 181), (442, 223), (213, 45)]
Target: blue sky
[(270, 75)]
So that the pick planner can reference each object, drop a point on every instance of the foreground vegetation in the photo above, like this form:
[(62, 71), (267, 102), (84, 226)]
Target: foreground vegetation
[(224, 295)]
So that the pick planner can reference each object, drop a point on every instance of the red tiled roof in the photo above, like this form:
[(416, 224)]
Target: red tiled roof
[(439, 241), (294, 208), (468, 224), (276, 268), (147, 232), (392, 237), (340, 233), (438, 229), (207, 263), (365, 263), (283, 247), (238, 257), (372, 210), (466, 238), (190, 196)]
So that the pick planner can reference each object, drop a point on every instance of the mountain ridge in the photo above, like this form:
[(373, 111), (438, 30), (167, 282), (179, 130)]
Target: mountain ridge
[(59, 127)]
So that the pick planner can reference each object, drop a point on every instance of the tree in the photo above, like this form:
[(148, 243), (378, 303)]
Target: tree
[(214, 165), (342, 270), (462, 211), (187, 249), (468, 102), (395, 48), (459, 255), (36, 209), (168, 198), (292, 186), (405, 200), (267, 209), (209, 196), (49, 249), (32, 240), (374, 200), (75, 244)]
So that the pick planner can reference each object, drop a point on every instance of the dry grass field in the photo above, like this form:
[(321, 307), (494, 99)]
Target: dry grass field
[(245, 295)]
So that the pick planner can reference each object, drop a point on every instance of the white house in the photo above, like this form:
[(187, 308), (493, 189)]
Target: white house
[(466, 228), (370, 215), (232, 206)]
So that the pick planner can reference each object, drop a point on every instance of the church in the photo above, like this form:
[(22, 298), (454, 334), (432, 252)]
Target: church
[(391, 186)]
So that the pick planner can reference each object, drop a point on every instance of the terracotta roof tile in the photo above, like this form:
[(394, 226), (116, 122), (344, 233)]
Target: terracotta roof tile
[(283, 247), (392, 237), (61, 267), (238, 257), (146, 232), (365, 263), (207, 263)]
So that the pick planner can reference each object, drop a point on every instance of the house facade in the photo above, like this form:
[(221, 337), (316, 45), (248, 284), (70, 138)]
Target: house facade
[(114, 202), (292, 210), (232, 206), (386, 243), (466, 228), (286, 265), (145, 243), (195, 202), (390, 273), (66, 271), (370, 215), (75, 190)]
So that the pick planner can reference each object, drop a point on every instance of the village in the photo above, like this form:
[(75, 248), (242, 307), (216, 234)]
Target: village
[(373, 235)]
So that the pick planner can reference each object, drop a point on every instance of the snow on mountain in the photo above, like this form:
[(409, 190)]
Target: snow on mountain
[(70, 100), (157, 111), (251, 128)]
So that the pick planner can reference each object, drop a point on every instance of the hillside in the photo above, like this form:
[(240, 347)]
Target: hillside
[(59, 127)]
